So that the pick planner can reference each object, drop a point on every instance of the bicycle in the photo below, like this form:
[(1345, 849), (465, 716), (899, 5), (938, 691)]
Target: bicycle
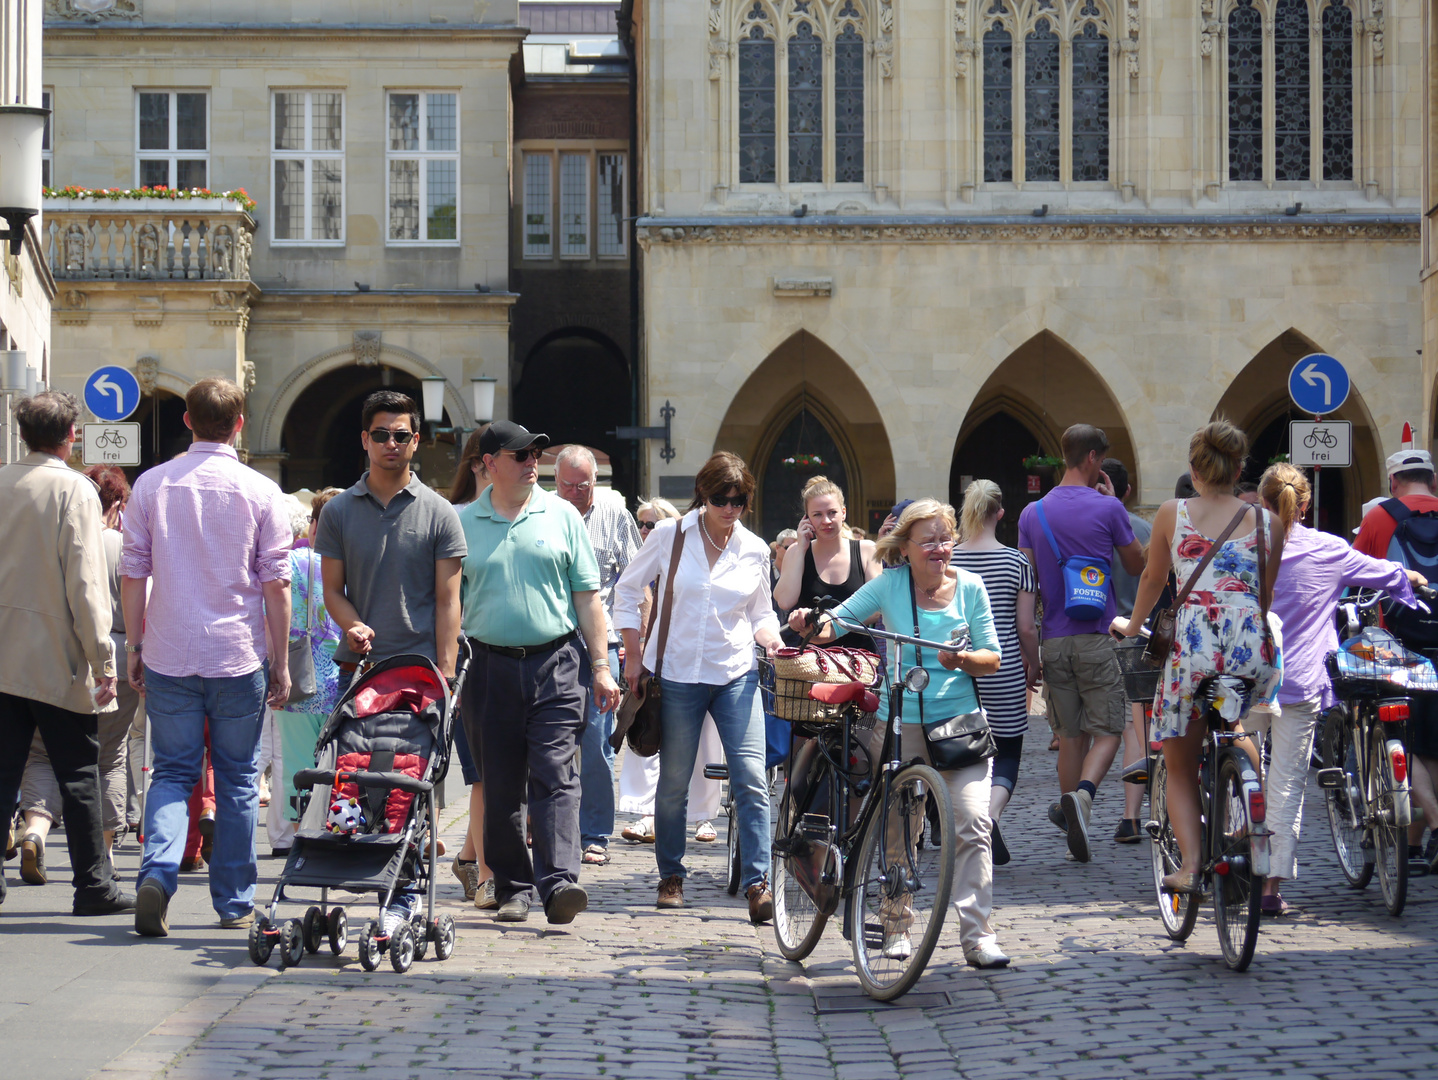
[(890, 859), (1365, 773), (1320, 435), (1234, 855), (110, 438)]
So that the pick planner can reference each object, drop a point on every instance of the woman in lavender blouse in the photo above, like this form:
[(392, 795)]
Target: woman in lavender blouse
[(1317, 567)]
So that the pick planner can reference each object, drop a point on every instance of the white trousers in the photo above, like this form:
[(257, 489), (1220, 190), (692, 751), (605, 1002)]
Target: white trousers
[(278, 826), (639, 779), (1293, 730)]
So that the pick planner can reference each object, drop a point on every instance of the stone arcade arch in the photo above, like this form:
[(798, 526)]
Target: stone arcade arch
[(1257, 401), (1023, 407), (802, 396)]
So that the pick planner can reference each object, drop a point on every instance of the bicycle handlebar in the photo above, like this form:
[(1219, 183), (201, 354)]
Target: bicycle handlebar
[(853, 626)]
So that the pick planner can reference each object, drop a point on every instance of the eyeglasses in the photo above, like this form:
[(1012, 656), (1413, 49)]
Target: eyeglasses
[(935, 545), (647, 525), (721, 501), (583, 485), (382, 436), (528, 453)]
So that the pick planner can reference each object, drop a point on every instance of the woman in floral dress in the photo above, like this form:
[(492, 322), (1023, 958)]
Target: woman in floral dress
[(1220, 628)]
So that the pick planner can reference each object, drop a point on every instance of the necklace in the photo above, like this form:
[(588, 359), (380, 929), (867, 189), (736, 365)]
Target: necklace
[(705, 530)]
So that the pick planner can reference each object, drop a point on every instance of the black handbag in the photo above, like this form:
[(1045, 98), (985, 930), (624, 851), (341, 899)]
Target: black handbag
[(639, 721), (959, 741), (303, 681)]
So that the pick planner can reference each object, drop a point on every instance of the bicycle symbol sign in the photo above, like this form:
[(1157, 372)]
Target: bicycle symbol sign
[(112, 444), (1320, 442)]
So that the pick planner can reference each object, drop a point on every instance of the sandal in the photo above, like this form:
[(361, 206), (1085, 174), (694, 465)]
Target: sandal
[(641, 832), (704, 832), (594, 855), (1274, 905)]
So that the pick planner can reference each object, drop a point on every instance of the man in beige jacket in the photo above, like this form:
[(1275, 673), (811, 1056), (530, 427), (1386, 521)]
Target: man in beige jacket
[(57, 660)]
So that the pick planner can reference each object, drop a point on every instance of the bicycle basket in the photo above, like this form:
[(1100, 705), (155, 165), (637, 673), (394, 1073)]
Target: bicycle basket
[(1376, 662), (785, 680), (1140, 682)]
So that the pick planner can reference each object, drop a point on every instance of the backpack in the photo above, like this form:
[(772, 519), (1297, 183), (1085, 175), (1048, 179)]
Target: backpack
[(1415, 546), (1085, 578)]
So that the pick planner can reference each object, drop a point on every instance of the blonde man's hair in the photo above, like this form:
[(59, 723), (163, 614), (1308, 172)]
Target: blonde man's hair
[(982, 502), (891, 547)]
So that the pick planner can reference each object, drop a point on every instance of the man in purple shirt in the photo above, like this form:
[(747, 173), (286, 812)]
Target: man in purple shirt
[(213, 537), (1087, 705)]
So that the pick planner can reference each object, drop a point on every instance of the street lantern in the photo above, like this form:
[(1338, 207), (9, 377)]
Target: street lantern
[(31, 378), (22, 137), (433, 388), (14, 371), (483, 389)]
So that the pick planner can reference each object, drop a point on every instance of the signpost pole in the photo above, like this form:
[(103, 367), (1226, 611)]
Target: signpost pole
[(1317, 472)]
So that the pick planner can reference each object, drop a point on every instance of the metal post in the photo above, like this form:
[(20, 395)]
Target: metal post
[(1317, 470)]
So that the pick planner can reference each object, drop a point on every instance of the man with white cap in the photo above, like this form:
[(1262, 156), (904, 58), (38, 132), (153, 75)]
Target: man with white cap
[(1413, 506)]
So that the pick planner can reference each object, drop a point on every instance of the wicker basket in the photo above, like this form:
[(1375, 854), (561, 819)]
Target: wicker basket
[(785, 681), (1140, 682)]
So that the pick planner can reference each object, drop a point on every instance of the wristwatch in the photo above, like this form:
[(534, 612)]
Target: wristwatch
[(137, 647)]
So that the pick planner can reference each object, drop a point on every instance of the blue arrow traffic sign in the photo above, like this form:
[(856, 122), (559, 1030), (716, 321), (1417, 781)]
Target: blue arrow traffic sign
[(112, 393), (1318, 384)]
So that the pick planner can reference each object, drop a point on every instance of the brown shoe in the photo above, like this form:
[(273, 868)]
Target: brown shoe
[(197, 865), (671, 892), (761, 902)]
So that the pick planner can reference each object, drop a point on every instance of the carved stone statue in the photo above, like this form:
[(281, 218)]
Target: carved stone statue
[(366, 347), (222, 251), (147, 373), (148, 244), (75, 244)]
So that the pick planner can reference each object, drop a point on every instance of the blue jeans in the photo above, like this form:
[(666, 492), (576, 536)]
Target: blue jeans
[(596, 770), (178, 707), (740, 721)]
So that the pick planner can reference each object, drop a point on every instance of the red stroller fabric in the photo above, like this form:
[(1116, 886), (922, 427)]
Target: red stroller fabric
[(411, 689)]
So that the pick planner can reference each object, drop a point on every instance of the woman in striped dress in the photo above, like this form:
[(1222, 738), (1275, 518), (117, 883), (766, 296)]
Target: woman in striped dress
[(1009, 580)]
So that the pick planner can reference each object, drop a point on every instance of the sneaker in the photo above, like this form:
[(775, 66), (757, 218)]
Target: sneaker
[(565, 902), (467, 870), (152, 908), (671, 892), (1000, 849), (515, 909), (207, 834), (1128, 832), (761, 902), (897, 946), (1056, 815), (986, 956), (1077, 806), (238, 922), (484, 897), (32, 859)]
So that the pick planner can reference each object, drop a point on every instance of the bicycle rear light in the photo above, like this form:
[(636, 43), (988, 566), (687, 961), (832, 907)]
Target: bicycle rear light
[(1257, 805), (1394, 712), (1399, 761)]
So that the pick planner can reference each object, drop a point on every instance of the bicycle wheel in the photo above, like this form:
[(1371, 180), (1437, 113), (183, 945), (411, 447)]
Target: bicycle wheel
[(901, 890), (1177, 911), (1390, 842), (1237, 894), (1345, 802), (798, 922)]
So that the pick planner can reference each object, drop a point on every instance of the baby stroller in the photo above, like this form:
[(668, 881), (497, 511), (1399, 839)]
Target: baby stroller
[(368, 824)]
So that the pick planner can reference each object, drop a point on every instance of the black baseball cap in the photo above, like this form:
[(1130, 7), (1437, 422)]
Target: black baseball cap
[(507, 435)]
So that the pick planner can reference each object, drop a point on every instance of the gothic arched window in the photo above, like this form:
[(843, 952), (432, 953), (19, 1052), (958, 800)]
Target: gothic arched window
[(998, 105), (756, 107), (1041, 103), (806, 107), (849, 107), (1337, 92), (1090, 105), (1290, 91), (1245, 92)]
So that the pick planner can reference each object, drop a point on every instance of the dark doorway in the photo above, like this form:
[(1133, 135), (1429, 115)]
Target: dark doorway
[(1331, 496), (163, 433), (322, 431), (995, 450), (805, 437), (575, 388)]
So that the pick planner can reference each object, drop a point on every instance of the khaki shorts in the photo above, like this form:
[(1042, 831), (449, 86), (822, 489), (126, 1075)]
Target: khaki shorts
[(1084, 686)]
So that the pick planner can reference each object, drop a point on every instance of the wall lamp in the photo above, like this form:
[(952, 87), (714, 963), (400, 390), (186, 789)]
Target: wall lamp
[(22, 139), (481, 388)]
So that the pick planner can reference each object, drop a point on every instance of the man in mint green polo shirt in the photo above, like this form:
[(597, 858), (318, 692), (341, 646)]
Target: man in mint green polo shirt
[(530, 587)]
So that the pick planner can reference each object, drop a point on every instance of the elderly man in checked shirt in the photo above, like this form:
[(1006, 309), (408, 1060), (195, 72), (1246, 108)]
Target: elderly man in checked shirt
[(213, 537), (615, 536)]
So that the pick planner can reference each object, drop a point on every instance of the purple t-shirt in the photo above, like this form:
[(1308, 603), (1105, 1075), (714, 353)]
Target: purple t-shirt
[(1084, 522)]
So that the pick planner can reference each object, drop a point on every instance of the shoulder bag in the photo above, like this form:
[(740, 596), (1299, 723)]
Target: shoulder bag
[(961, 740), (1085, 577), (303, 683), (1160, 640), (638, 722)]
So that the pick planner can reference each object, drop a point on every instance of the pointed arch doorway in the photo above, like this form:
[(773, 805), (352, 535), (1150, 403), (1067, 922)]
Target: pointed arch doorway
[(804, 401)]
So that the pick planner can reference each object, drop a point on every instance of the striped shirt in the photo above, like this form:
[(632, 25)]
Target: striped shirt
[(1005, 573), (615, 537)]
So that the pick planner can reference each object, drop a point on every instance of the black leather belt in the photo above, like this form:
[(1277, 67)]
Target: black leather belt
[(519, 652)]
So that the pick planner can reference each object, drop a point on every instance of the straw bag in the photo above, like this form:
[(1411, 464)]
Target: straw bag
[(795, 670)]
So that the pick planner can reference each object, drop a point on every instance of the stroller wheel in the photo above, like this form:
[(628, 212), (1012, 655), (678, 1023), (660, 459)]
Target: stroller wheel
[(369, 950), (401, 948), (443, 937), (292, 943), (261, 942), (339, 927), (315, 927), (421, 939)]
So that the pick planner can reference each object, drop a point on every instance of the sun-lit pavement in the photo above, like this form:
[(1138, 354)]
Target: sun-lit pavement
[(1338, 989)]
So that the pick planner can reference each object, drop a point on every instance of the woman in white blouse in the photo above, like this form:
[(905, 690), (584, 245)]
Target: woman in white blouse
[(722, 606)]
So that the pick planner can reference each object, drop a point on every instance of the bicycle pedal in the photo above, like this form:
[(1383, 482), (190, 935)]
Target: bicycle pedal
[(1330, 778), (1153, 828)]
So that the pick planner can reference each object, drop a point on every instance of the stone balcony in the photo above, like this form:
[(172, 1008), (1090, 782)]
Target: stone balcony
[(153, 240)]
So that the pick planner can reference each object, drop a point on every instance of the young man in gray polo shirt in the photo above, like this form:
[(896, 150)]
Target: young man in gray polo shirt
[(390, 550)]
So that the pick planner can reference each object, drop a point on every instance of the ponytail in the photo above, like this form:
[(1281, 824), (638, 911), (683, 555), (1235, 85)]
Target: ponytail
[(982, 503), (1285, 491)]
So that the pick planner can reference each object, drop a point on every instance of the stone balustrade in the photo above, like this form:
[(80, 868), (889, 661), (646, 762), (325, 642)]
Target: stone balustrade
[(147, 239)]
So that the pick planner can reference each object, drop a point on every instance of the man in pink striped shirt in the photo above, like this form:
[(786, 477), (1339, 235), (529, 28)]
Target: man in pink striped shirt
[(213, 537)]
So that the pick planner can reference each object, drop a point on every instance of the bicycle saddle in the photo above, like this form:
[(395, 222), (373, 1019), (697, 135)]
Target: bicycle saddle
[(843, 693)]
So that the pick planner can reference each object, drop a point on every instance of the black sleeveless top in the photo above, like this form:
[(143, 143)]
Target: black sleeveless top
[(813, 588)]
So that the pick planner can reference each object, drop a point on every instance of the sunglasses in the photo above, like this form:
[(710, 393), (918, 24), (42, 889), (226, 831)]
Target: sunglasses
[(528, 453), (736, 501), (647, 525), (381, 436)]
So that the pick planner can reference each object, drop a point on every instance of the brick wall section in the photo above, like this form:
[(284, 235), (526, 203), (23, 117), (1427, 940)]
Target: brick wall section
[(579, 115)]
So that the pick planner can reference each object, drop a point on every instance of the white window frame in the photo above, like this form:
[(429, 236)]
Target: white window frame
[(587, 201), (552, 151), (47, 150), (423, 155), (623, 252), (172, 155), (309, 156), (547, 254)]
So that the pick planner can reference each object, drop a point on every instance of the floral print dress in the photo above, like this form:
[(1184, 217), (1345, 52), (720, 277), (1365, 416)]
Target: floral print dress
[(1219, 630), (309, 618)]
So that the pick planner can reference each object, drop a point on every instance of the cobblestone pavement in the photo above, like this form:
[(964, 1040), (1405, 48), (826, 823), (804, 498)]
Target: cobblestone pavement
[(1096, 989)]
